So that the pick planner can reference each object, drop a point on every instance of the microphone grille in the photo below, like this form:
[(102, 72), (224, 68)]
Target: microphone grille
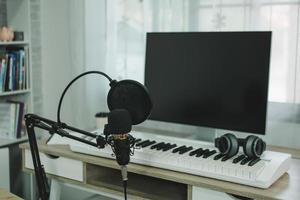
[(119, 121)]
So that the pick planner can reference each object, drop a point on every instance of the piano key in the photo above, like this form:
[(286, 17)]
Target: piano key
[(148, 144), (156, 145), (171, 146), (200, 153), (254, 161), (182, 151), (238, 159), (178, 149), (247, 159), (142, 142), (225, 158), (217, 157), (137, 140), (210, 153), (161, 146), (166, 145), (195, 152)]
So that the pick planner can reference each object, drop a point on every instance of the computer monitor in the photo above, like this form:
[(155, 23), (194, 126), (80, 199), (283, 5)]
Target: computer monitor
[(210, 79)]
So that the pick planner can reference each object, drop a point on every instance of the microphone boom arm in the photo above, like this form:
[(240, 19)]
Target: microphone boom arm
[(33, 121)]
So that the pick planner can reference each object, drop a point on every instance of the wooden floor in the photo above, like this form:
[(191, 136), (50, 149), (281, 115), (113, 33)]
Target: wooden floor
[(4, 195)]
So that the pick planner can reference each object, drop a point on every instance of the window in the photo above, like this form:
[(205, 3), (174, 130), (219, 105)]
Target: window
[(132, 19)]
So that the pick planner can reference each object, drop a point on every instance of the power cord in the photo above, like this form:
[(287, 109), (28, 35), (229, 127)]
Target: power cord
[(125, 189), (124, 178)]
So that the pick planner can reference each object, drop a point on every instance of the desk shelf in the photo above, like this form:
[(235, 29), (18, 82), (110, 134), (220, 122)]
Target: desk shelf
[(138, 185)]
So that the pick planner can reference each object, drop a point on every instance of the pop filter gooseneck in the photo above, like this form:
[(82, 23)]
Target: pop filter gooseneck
[(69, 85), (126, 94)]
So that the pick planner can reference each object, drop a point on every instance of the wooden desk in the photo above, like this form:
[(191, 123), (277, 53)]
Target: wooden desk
[(4, 195), (103, 174)]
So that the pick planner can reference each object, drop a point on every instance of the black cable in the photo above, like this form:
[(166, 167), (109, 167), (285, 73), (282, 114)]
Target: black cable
[(68, 86), (125, 189)]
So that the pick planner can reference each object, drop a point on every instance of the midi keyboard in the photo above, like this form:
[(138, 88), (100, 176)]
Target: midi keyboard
[(195, 157)]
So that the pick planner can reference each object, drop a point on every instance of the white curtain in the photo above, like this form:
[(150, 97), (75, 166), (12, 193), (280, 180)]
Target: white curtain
[(87, 44), (110, 35), (129, 20)]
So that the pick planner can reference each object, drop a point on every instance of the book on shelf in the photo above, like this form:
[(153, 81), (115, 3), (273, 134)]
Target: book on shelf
[(13, 69), (12, 119)]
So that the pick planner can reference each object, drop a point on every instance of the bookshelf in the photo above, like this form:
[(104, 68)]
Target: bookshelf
[(6, 142), (14, 43), (18, 18), (17, 92)]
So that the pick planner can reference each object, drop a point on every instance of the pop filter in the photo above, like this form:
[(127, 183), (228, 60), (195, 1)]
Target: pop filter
[(132, 96)]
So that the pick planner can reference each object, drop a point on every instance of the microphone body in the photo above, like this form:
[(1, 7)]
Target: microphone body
[(117, 130), (121, 145)]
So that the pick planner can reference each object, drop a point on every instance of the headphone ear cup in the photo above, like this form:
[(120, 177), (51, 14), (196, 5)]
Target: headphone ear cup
[(264, 146), (248, 146), (254, 146), (227, 144), (260, 147)]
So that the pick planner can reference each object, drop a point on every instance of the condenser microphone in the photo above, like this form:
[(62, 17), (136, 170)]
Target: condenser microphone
[(119, 126), (132, 96), (130, 104)]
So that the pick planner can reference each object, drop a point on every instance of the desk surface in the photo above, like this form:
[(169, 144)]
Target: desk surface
[(4, 195), (287, 187)]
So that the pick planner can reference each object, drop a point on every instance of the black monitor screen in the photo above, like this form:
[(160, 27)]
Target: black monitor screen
[(212, 79)]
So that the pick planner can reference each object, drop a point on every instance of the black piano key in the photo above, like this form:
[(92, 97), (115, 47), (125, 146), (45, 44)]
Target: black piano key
[(225, 158), (182, 151), (137, 143), (171, 146), (238, 159), (156, 145), (153, 142), (178, 149), (200, 153), (254, 161), (148, 144), (161, 146), (165, 146), (217, 157), (246, 160), (210, 153), (195, 152), (137, 140), (142, 142)]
